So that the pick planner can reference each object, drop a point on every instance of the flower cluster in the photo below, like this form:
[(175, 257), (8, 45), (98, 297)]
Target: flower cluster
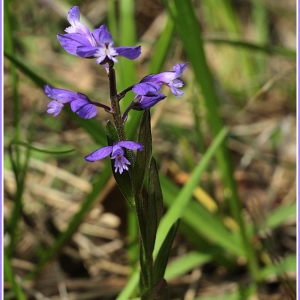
[(99, 44)]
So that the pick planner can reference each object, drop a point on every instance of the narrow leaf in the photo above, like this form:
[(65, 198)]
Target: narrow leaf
[(9, 275), (162, 46), (186, 263), (146, 263), (269, 49), (143, 157), (28, 146), (153, 205), (163, 254), (180, 202)]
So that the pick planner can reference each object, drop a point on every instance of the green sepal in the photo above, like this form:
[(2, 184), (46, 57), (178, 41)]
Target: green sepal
[(164, 252), (123, 180), (143, 157)]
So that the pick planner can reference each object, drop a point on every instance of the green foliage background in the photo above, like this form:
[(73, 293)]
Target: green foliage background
[(225, 150)]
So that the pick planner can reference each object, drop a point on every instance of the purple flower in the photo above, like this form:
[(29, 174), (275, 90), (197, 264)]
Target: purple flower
[(147, 85), (98, 44), (117, 153), (143, 102), (59, 98), (153, 83), (84, 107), (147, 94), (80, 103), (147, 90), (147, 101), (170, 79), (76, 26)]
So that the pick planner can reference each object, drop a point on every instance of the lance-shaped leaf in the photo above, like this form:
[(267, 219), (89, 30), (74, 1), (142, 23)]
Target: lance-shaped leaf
[(164, 252), (149, 211), (143, 158), (124, 180), (146, 263), (153, 205)]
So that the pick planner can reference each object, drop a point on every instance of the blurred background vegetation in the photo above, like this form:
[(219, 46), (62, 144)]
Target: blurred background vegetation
[(68, 231)]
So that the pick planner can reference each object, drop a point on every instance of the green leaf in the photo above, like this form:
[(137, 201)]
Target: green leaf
[(281, 214), (149, 211), (178, 207), (9, 275), (146, 262), (28, 146), (183, 201), (162, 47), (186, 263), (143, 157), (197, 216), (123, 180), (153, 205), (269, 49), (288, 264), (164, 252), (154, 190), (194, 49), (38, 80)]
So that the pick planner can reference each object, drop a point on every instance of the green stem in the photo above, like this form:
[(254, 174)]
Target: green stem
[(115, 103), (114, 99)]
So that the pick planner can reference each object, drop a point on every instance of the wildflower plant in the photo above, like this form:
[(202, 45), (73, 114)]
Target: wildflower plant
[(135, 172)]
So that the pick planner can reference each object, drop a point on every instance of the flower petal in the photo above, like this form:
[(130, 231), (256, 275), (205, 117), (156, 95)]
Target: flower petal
[(164, 77), (88, 111), (167, 77), (144, 88), (121, 163), (60, 95), (78, 103), (99, 154), (87, 51), (73, 15), (71, 41), (178, 69), (146, 102), (83, 107), (130, 145), (129, 52), (77, 26), (54, 108), (174, 86), (102, 35)]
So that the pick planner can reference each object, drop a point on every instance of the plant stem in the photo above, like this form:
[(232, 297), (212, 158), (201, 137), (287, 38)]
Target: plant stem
[(115, 102)]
